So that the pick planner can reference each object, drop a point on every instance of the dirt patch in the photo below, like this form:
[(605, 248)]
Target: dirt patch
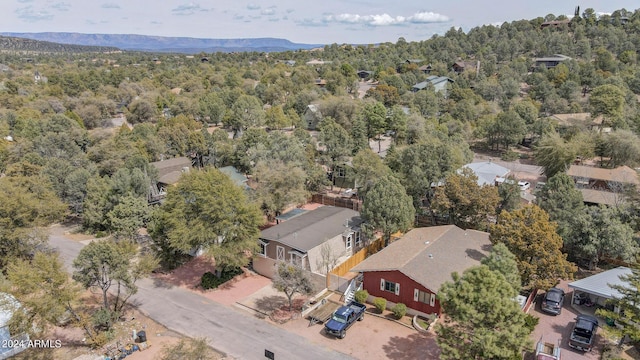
[(73, 341)]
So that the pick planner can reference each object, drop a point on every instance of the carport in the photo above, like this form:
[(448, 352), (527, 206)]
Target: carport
[(597, 286)]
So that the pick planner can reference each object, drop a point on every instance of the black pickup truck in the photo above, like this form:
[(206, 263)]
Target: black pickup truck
[(584, 332), (343, 318)]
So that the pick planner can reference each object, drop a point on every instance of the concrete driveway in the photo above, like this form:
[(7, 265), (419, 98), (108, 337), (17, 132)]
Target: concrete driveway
[(558, 328)]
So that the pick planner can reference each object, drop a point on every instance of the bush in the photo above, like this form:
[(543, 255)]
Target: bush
[(530, 322), (380, 304), (399, 310), (209, 280), (103, 319), (361, 296), (510, 155)]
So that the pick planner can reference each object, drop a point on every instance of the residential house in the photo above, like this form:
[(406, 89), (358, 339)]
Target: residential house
[(169, 172), (320, 82), (412, 269), (439, 83), (39, 78), (550, 61), (8, 306), (581, 120), (311, 117), (555, 23), (290, 62), (598, 287), (603, 186), (236, 176), (300, 240), (426, 69), (318, 62), (487, 172), (341, 177), (364, 74), (461, 66)]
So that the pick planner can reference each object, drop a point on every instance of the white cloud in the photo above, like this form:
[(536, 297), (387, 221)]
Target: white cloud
[(386, 19), (29, 14), (110, 6), (427, 17), (252, 6), (269, 11), (61, 6), (187, 9)]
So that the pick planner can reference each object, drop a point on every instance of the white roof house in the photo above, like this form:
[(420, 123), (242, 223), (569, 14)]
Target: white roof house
[(598, 284), (487, 172)]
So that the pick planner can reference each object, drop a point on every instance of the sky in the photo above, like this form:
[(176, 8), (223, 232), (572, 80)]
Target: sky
[(300, 21)]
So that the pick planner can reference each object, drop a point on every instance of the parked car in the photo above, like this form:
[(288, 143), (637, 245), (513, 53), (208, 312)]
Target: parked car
[(343, 318), (553, 300), (524, 185), (584, 332)]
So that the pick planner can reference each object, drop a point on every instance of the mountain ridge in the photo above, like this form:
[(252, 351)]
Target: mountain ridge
[(152, 43)]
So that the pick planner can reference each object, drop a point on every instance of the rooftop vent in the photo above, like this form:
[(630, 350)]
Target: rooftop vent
[(430, 256)]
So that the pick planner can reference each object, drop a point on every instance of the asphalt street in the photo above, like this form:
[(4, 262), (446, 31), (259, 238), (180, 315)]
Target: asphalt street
[(237, 334)]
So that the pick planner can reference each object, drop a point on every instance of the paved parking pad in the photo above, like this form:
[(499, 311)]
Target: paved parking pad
[(372, 338), (558, 328)]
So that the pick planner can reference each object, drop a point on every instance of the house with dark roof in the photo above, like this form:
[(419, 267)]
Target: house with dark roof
[(308, 237), (439, 83), (461, 66), (170, 170), (426, 68), (550, 61), (364, 74), (555, 23), (412, 269)]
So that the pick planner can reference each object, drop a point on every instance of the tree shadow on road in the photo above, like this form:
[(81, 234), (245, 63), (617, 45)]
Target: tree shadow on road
[(415, 346)]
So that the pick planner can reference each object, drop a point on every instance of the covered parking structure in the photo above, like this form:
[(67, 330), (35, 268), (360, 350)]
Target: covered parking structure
[(598, 286)]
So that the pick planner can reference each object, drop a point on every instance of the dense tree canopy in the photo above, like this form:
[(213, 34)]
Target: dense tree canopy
[(532, 238), (207, 211)]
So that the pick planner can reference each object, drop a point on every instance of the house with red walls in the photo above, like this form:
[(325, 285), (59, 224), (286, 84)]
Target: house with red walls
[(411, 269)]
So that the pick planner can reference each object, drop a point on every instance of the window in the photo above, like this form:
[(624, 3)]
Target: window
[(390, 286), (421, 296), (348, 242), (263, 249), (340, 171), (432, 302), (356, 235)]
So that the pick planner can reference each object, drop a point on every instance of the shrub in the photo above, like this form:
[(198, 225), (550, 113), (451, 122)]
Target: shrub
[(530, 322), (209, 280), (380, 304), (361, 296), (399, 310), (103, 318), (510, 155)]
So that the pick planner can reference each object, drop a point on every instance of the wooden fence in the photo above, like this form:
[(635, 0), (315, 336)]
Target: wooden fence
[(337, 201), (358, 257)]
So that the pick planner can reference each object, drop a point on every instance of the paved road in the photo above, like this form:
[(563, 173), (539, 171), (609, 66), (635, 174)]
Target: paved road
[(237, 334)]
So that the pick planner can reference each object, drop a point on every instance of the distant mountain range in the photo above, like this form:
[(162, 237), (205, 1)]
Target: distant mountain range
[(28, 45), (165, 44)]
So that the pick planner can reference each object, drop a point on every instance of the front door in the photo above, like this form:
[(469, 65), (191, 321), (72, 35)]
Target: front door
[(279, 253)]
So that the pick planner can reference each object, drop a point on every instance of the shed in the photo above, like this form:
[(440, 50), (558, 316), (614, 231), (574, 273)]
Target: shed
[(8, 305)]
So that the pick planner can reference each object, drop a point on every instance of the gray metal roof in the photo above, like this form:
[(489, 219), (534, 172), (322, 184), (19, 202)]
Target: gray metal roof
[(598, 284), (429, 255), (236, 176), (487, 172), (307, 231)]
